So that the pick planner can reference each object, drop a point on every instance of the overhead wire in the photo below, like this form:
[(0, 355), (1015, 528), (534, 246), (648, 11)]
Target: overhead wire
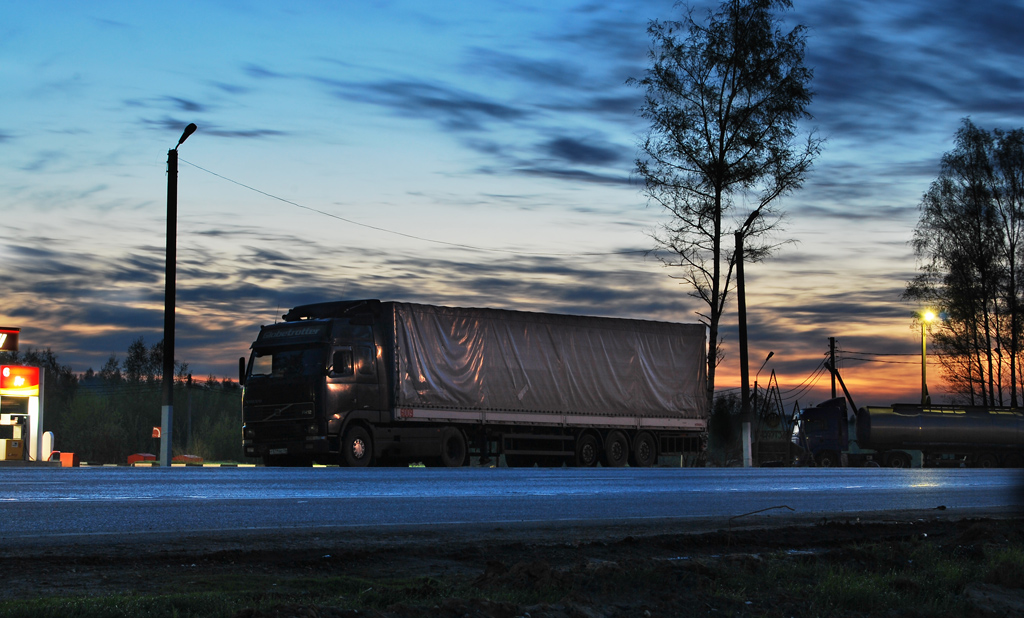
[(876, 360), (820, 366), (807, 385), (404, 234)]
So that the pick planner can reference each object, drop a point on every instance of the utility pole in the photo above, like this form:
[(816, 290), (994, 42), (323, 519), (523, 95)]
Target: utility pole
[(926, 399), (167, 410), (741, 302), (832, 361)]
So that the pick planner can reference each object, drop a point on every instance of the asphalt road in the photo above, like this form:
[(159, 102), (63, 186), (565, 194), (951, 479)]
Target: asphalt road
[(57, 505)]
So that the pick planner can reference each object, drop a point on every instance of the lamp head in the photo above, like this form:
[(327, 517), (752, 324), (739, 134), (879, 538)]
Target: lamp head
[(189, 130), (766, 358)]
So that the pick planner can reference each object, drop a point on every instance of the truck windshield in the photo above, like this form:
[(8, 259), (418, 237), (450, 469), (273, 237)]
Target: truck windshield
[(287, 363)]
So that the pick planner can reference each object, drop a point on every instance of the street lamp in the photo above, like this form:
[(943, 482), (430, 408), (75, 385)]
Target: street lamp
[(766, 358), (167, 411), (926, 317)]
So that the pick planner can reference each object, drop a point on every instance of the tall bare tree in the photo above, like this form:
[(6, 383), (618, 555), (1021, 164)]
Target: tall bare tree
[(968, 241), (724, 97)]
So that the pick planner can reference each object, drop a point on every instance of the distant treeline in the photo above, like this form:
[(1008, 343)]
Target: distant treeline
[(106, 416)]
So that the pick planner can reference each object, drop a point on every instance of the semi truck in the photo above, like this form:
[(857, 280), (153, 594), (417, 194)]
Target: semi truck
[(911, 435), (371, 383)]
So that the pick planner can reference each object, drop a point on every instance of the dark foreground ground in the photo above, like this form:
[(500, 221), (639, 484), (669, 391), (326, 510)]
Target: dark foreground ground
[(914, 564)]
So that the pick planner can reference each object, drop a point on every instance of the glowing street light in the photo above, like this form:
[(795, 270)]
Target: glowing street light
[(926, 317)]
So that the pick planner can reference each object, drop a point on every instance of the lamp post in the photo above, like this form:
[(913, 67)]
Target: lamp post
[(926, 317), (770, 354), (167, 410)]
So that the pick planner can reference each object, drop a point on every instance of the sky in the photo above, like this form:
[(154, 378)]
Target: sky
[(455, 153)]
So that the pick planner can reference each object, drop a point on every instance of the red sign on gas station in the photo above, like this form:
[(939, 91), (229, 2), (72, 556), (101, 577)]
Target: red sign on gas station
[(18, 381), (9, 339)]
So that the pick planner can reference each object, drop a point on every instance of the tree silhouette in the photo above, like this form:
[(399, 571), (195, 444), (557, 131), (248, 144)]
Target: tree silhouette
[(723, 98), (968, 242)]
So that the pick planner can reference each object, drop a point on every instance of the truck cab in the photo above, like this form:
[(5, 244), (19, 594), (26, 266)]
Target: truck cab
[(302, 381), (824, 432)]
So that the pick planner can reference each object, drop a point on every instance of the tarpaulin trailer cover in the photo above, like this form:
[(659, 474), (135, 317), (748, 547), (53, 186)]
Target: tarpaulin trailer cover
[(535, 363)]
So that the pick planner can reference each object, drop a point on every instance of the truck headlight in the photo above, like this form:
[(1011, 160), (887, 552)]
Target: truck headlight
[(312, 429), (250, 433)]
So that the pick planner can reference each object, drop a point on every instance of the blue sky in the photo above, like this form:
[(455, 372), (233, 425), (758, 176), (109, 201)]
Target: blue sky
[(475, 154)]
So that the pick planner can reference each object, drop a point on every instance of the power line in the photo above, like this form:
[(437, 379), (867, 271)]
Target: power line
[(930, 354), (810, 382), (403, 234), (882, 353), (819, 367), (875, 360)]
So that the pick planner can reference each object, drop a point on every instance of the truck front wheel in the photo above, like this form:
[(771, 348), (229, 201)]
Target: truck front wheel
[(897, 459), (357, 447), (828, 459), (986, 460)]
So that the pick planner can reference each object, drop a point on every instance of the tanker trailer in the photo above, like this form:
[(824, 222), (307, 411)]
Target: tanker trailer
[(975, 436)]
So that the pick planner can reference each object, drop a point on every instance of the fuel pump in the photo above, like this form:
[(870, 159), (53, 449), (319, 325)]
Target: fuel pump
[(14, 448)]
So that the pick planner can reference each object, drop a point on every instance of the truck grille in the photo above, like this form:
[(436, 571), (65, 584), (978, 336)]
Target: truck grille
[(252, 414), (273, 432)]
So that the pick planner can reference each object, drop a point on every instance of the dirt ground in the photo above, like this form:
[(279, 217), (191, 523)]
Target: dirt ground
[(606, 568)]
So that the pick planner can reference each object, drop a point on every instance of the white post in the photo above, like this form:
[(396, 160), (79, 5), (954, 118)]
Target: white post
[(35, 420), (166, 416), (748, 451), (47, 446)]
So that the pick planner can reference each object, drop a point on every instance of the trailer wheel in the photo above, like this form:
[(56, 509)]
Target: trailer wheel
[(897, 460), (616, 449), (453, 448), (986, 460), (828, 459), (357, 447), (645, 450), (588, 451)]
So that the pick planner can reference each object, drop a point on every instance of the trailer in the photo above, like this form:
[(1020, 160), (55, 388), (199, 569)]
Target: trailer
[(911, 435), (366, 382)]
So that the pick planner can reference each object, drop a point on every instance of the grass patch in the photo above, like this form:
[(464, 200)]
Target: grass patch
[(187, 605), (913, 577), (226, 596)]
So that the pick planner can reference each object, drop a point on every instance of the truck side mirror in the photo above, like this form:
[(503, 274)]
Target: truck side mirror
[(241, 371)]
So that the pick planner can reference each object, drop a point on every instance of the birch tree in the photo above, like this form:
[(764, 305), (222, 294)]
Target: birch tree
[(724, 96)]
